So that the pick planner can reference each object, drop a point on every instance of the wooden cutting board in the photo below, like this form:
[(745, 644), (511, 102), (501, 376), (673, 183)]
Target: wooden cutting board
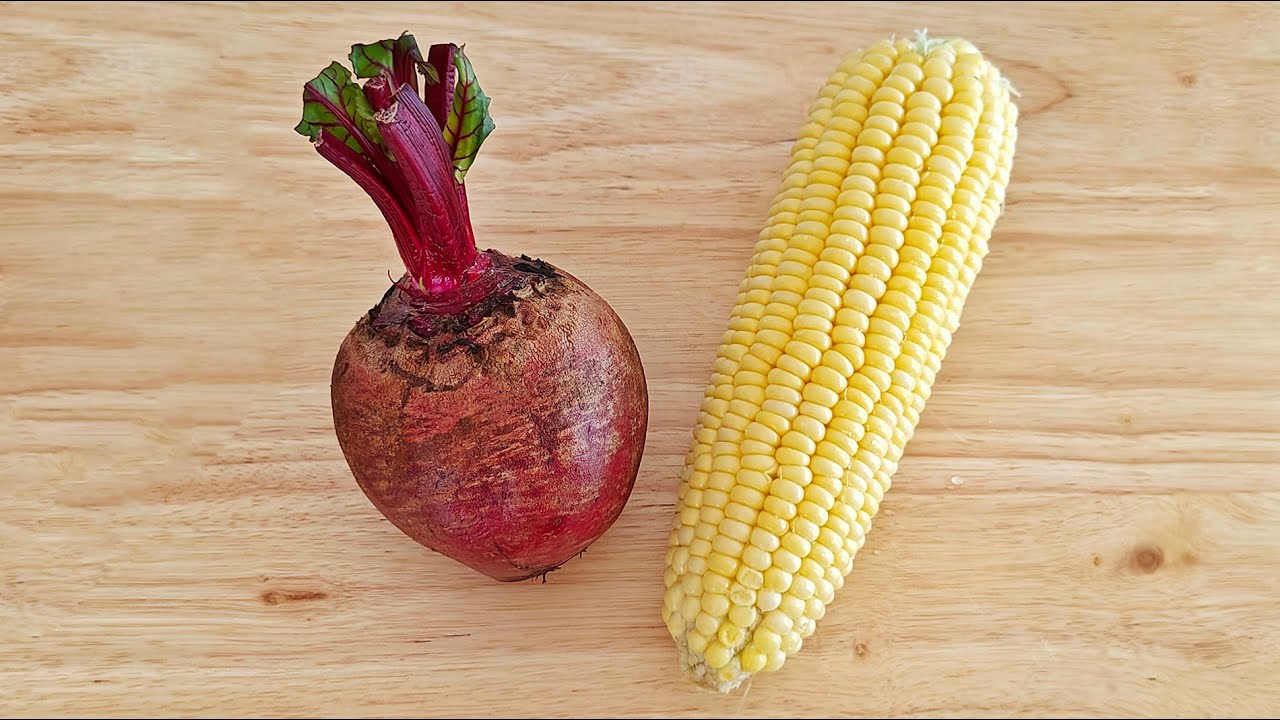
[(1087, 522)]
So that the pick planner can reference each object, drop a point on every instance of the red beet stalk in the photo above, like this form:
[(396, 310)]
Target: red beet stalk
[(493, 408)]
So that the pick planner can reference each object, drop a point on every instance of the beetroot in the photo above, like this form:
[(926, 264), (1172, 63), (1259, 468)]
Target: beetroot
[(493, 408)]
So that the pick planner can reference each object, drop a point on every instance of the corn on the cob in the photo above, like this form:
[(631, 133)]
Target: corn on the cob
[(840, 327)]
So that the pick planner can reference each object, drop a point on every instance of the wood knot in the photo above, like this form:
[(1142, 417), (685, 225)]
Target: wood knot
[(1097, 560), (279, 597), (860, 649), (1187, 79), (1147, 559)]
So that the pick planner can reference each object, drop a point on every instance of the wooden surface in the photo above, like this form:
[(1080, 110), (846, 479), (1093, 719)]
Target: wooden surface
[(179, 533)]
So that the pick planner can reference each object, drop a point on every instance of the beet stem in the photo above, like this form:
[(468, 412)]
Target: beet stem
[(351, 163), (409, 147)]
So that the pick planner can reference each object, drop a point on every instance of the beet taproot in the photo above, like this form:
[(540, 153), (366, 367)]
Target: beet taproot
[(493, 408)]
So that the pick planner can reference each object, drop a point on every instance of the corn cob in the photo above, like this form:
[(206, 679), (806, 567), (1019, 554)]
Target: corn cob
[(840, 328)]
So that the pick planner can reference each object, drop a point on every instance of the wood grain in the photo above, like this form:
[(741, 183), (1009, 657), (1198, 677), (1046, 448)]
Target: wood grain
[(180, 534)]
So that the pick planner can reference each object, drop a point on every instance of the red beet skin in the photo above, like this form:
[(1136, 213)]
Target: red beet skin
[(501, 425)]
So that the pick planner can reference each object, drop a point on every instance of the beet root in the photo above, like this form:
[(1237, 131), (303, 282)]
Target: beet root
[(503, 430)]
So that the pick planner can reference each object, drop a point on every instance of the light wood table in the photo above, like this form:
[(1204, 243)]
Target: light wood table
[(179, 533)]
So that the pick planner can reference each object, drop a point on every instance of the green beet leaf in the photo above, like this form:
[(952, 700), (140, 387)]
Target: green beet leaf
[(334, 102), (394, 59), (469, 122)]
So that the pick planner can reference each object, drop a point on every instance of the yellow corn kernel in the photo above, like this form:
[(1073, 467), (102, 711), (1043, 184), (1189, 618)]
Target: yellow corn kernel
[(697, 642), (735, 528), (750, 578), (791, 643), (706, 624), (743, 616), (783, 509), (792, 606), (756, 559), (778, 622), (739, 595), (812, 513), (675, 625), (801, 586), (764, 539), (774, 523), (722, 564), (715, 583), (730, 636), (785, 561), (753, 660), (766, 640), (805, 626), (815, 608), (690, 608), (806, 528), (727, 546), (787, 490), (717, 655), (767, 600), (777, 580), (747, 497), (717, 605), (794, 543), (776, 659)]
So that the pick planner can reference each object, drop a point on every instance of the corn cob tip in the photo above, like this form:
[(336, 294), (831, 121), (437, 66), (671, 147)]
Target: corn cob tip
[(696, 669), (924, 43)]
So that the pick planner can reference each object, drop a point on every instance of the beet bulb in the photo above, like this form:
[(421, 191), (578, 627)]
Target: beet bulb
[(493, 408)]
